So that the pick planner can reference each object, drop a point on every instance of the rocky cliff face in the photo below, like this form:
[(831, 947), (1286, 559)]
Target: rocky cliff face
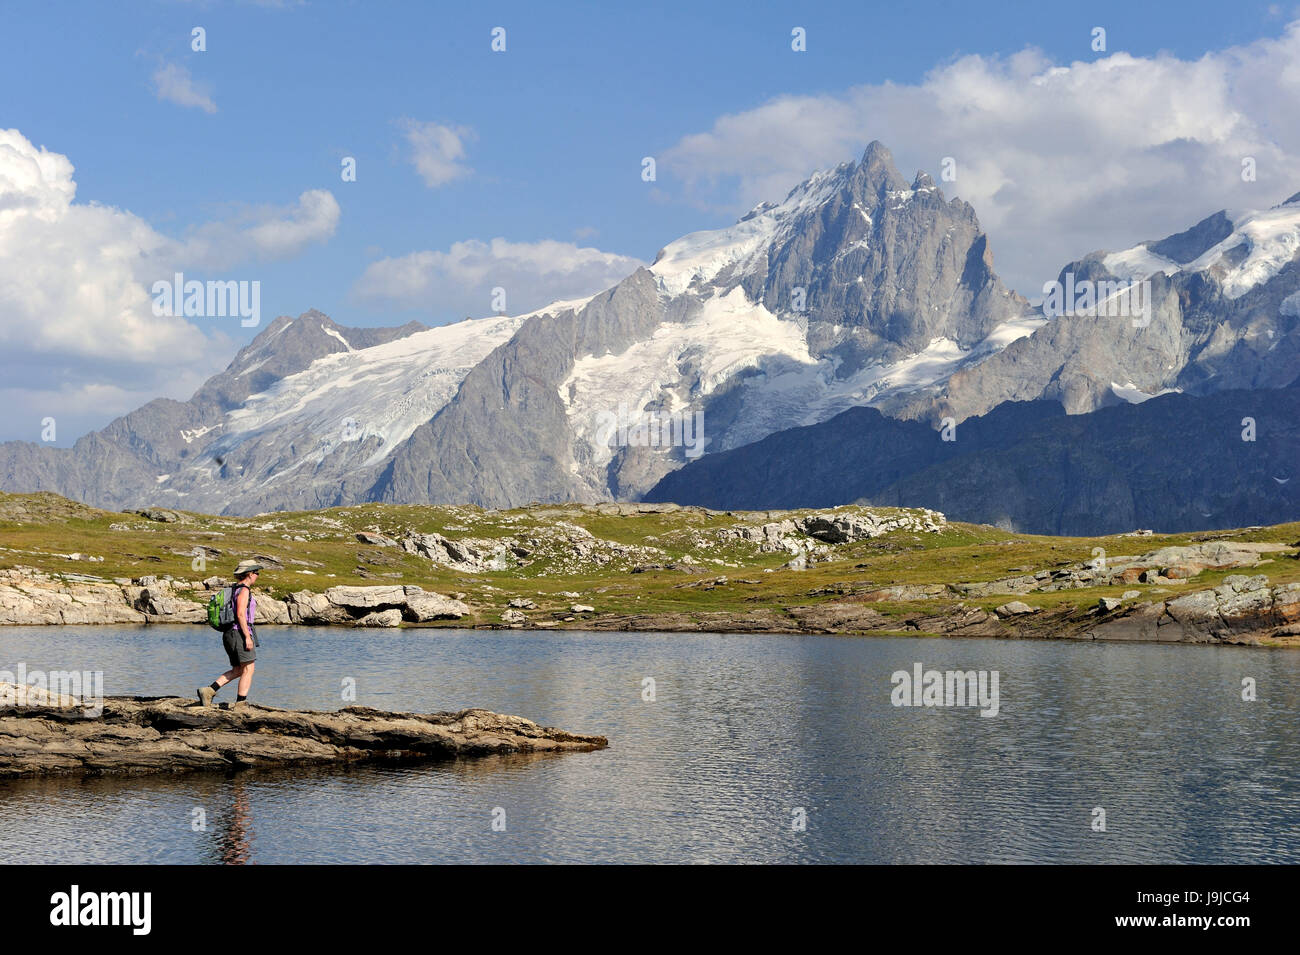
[(1176, 462), (1222, 312)]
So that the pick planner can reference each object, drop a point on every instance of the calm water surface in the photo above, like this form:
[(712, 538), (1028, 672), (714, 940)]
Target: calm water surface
[(745, 729)]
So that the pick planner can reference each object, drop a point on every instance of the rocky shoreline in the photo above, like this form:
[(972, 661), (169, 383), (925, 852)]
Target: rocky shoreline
[(55, 736), (1242, 609), (33, 598)]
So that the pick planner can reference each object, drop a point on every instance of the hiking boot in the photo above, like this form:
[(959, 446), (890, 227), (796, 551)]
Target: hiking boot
[(206, 693), (239, 705)]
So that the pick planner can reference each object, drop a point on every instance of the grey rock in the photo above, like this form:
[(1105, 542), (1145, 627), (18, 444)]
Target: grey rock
[(366, 598), (424, 607), (1015, 608), (381, 618)]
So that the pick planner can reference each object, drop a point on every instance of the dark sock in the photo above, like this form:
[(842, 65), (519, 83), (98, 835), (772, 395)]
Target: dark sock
[(215, 686), (240, 699)]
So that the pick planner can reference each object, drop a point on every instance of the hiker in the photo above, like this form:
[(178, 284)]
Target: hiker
[(239, 637)]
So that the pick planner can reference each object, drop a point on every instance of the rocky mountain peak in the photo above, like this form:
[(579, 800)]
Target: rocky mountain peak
[(877, 170)]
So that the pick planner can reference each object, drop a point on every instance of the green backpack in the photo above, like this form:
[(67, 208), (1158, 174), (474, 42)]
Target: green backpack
[(221, 607)]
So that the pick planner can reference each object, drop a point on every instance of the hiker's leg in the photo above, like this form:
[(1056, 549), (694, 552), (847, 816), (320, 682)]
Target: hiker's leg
[(231, 674), (246, 678)]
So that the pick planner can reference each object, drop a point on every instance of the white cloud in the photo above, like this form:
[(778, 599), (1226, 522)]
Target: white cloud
[(1056, 160), (77, 328), (437, 151), (174, 84), (459, 281), (266, 233)]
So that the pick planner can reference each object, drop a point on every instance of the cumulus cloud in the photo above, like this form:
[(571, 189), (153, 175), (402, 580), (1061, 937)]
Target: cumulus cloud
[(459, 282), (77, 327), (173, 83), (1057, 160), (437, 151)]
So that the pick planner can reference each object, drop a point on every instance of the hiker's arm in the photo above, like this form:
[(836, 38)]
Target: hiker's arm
[(241, 616)]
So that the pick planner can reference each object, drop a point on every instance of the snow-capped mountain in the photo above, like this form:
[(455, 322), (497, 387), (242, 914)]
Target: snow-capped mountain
[(859, 288), (1222, 311)]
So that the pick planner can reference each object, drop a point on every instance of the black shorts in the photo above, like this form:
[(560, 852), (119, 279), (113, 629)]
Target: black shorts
[(233, 641)]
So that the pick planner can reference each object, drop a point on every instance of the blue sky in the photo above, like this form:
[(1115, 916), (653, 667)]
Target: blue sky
[(553, 131)]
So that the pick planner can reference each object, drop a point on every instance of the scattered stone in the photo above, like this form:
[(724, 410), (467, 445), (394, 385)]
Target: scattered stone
[(1015, 608)]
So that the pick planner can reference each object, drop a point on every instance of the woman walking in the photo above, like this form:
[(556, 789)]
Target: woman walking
[(239, 639)]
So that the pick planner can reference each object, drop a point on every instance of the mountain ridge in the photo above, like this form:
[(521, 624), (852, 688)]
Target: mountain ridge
[(858, 289)]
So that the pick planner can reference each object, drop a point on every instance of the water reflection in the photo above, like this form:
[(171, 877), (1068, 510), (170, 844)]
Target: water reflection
[(744, 732)]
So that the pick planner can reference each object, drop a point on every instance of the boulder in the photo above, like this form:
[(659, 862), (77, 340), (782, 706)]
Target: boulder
[(270, 610), (381, 618), (514, 618), (376, 540), (423, 607), (367, 598), (1015, 608), (307, 607)]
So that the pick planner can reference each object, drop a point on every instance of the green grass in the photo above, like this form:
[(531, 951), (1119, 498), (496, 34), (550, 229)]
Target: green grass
[(36, 528)]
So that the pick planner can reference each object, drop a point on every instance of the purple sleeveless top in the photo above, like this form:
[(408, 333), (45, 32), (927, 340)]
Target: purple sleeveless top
[(252, 613)]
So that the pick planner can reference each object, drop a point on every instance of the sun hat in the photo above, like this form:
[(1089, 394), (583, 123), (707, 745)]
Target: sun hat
[(247, 567)]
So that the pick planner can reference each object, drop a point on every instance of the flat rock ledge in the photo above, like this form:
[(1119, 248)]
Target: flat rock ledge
[(146, 735)]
